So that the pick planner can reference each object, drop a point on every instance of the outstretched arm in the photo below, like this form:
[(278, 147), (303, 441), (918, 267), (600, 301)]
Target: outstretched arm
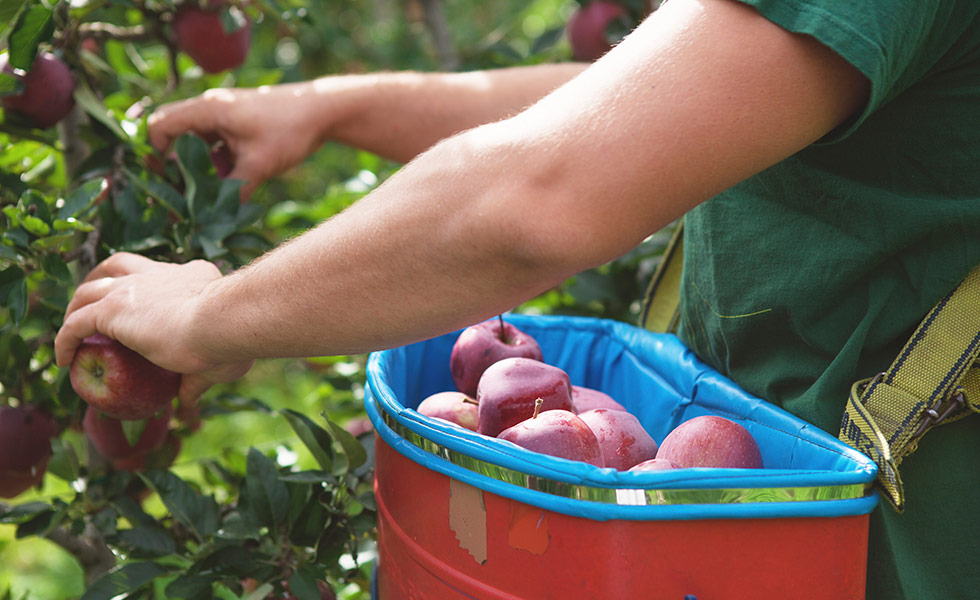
[(703, 94), (396, 115)]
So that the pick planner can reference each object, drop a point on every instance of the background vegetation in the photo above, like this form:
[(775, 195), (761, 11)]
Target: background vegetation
[(72, 195)]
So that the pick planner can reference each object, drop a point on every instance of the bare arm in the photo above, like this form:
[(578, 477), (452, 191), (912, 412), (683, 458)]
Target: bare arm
[(396, 115), (702, 95)]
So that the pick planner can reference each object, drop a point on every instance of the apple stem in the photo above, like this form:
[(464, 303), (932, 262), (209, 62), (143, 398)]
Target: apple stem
[(537, 407), (469, 400), (503, 332)]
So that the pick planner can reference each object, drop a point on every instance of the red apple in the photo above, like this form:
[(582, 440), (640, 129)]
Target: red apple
[(25, 448), (711, 441), (655, 464), (120, 382), (481, 345), (623, 439), (587, 29), (47, 94), (200, 34), (508, 389), (109, 439), (455, 407), (584, 399), (558, 433)]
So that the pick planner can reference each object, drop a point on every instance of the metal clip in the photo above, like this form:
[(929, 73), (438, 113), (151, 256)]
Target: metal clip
[(933, 417), (876, 379)]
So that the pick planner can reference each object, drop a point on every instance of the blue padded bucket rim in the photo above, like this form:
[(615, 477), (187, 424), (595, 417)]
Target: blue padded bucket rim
[(840, 486)]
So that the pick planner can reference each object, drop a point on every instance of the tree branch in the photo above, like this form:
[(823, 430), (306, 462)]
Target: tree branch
[(101, 32)]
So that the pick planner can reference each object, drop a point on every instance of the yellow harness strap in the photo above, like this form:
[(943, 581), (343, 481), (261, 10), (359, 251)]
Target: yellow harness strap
[(932, 381), (661, 304)]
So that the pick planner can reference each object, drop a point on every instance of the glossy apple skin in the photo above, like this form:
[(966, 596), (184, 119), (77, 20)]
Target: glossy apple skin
[(587, 29), (106, 434), (558, 433), (455, 407), (480, 345), (584, 399), (120, 382), (509, 388), (48, 87), (25, 448), (623, 439), (711, 441), (200, 34), (655, 464)]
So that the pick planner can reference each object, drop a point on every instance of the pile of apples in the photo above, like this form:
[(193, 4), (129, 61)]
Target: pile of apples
[(505, 390)]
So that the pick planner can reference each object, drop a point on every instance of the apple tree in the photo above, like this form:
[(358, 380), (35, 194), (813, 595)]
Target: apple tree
[(234, 517)]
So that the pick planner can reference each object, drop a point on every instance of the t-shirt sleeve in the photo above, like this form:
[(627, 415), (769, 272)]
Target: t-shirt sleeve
[(894, 43)]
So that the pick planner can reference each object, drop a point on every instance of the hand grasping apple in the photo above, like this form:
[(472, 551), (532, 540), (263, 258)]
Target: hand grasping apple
[(145, 305)]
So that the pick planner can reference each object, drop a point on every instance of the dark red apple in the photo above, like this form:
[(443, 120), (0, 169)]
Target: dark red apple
[(558, 433), (711, 441), (623, 439), (584, 399), (25, 448), (509, 388), (587, 29), (481, 345), (200, 34), (47, 95), (455, 407), (655, 464), (109, 439), (120, 382)]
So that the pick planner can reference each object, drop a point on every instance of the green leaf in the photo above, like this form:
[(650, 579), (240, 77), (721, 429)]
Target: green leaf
[(356, 455), (315, 438), (309, 477), (192, 587), (9, 10), (191, 508), (35, 225), (268, 497), (17, 301), (302, 584), (82, 198), (23, 512), (124, 579), (133, 430), (56, 268), (34, 26), (91, 104), (547, 39), (64, 460), (194, 161), (152, 541)]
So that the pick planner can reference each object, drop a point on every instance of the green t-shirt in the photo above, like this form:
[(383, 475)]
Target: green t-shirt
[(813, 273)]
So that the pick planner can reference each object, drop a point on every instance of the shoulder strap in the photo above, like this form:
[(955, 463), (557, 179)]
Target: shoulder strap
[(661, 304), (932, 381)]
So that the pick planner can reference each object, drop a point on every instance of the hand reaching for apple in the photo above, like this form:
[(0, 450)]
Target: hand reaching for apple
[(262, 131), (147, 306)]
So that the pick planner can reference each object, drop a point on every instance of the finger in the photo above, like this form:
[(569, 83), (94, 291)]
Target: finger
[(89, 292), (170, 121), (192, 387), (76, 328), (122, 263)]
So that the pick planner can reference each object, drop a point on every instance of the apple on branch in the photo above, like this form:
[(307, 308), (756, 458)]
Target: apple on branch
[(25, 448), (119, 381), (558, 433), (109, 437), (711, 441), (508, 390), (455, 407), (481, 345), (588, 28), (48, 88), (200, 32), (623, 439)]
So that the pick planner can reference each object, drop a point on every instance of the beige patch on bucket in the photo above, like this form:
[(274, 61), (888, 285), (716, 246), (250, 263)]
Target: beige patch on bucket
[(468, 519), (528, 529)]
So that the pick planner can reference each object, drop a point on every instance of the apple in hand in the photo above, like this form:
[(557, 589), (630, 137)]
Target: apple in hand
[(47, 95), (480, 345), (508, 390), (108, 437), (623, 439), (200, 34), (25, 448), (120, 382), (584, 399), (711, 441), (455, 407), (558, 433), (587, 28), (655, 464)]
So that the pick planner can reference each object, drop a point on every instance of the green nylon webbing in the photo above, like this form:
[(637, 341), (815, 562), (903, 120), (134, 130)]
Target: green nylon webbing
[(932, 381)]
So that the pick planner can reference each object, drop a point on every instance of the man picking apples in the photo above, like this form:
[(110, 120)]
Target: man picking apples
[(823, 152)]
